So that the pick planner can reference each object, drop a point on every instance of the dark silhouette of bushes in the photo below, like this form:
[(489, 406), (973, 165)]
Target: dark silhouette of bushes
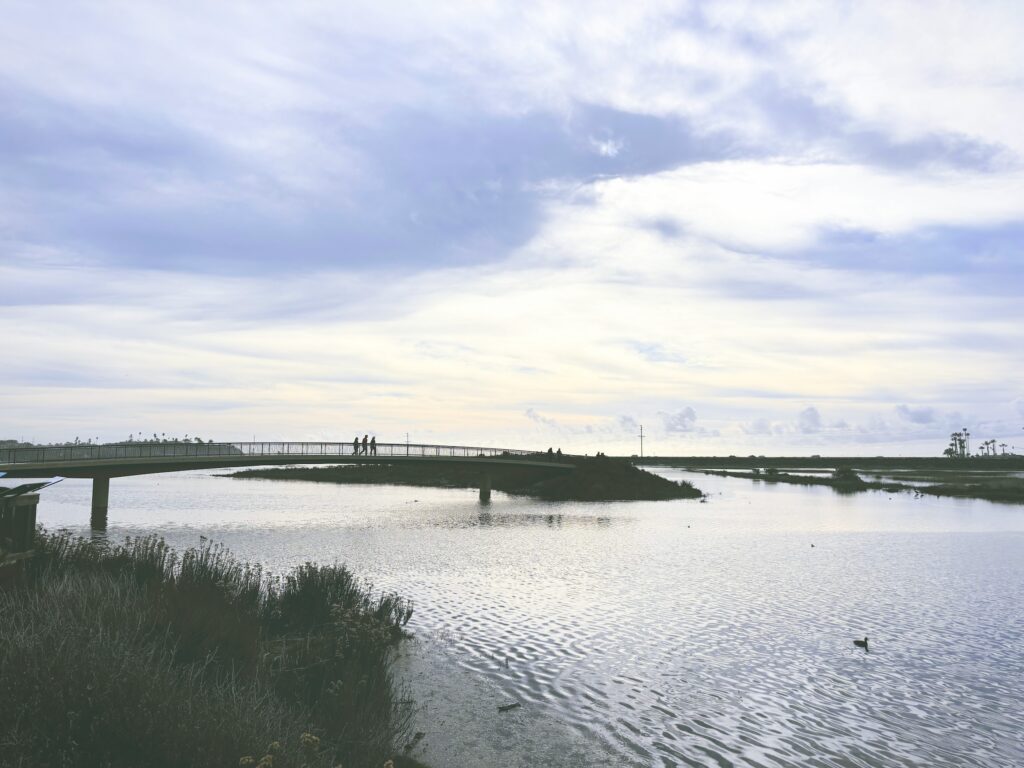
[(599, 478)]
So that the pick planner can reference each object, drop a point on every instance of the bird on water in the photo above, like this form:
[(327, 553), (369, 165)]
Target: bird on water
[(861, 643)]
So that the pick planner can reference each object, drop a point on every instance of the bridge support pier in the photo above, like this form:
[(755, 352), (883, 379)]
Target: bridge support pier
[(485, 488), (100, 500)]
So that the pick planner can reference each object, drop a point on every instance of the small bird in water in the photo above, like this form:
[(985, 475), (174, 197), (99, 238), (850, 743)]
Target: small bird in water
[(861, 643)]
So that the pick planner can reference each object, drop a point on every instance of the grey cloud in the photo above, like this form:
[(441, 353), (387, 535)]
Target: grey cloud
[(988, 256), (613, 427), (762, 426), (537, 418), (428, 189), (656, 353), (809, 421), (922, 415), (801, 120), (684, 422), (763, 290), (628, 424), (757, 427), (681, 421), (667, 228)]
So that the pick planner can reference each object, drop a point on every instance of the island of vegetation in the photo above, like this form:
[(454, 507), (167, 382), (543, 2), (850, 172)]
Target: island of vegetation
[(597, 478), (130, 655), (998, 478)]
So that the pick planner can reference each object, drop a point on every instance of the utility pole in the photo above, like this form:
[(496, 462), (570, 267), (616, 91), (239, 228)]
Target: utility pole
[(641, 441), (406, 443)]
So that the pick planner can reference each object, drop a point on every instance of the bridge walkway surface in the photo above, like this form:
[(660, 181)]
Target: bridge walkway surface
[(103, 462)]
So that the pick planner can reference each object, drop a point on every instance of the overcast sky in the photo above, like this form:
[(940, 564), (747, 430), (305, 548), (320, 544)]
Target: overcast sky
[(751, 227)]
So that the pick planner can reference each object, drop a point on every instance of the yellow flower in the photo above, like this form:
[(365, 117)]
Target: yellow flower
[(309, 741), (274, 747), (247, 762), (267, 761), (389, 764)]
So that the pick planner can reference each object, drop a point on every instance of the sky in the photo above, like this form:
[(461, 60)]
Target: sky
[(750, 227)]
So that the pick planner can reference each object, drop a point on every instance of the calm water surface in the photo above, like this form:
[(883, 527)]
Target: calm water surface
[(668, 633)]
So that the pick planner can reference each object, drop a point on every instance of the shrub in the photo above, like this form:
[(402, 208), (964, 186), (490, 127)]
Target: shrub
[(131, 655)]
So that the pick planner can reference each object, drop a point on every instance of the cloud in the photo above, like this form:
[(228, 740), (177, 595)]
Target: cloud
[(440, 219), (922, 415), (809, 421), (657, 353), (628, 424), (607, 147), (680, 421), (760, 426), (535, 417)]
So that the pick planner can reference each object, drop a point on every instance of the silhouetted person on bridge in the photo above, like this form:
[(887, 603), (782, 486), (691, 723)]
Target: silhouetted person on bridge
[(355, 446), (365, 444), (373, 445)]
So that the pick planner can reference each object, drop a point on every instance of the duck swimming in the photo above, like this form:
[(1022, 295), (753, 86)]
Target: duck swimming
[(861, 643)]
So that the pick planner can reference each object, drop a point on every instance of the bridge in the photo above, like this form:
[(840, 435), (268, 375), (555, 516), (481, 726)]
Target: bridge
[(103, 462)]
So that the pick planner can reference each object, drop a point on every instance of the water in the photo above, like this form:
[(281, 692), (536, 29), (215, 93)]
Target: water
[(665, 633)]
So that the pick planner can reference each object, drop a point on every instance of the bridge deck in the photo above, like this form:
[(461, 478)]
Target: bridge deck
[(121, 459)]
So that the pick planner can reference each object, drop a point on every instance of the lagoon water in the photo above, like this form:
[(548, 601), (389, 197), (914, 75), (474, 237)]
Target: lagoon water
[(664, 633)]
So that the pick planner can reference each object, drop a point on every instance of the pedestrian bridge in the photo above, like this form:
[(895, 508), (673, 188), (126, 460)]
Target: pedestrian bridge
[(103, 462)]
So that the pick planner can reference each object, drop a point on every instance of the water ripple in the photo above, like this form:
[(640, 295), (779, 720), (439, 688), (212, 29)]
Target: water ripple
[(677, 633)]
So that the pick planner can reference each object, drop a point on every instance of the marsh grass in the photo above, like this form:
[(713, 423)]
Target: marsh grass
[(131, 655)]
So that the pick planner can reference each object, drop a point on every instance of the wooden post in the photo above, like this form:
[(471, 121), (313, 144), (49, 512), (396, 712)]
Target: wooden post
[(485, 488)]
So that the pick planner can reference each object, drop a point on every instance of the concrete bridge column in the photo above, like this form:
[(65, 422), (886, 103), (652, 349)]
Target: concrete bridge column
[(485, 488), (100, 500)]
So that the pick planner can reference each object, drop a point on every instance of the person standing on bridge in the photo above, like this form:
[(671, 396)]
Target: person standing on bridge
[(365, 444), (373, 445), (355, 446)]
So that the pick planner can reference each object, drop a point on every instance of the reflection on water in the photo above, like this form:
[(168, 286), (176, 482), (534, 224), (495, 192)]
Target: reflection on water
[(672, 633), (491, 519)]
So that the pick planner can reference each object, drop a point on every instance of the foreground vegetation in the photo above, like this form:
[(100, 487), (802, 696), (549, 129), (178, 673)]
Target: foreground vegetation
[(598, 478), (130, 655)]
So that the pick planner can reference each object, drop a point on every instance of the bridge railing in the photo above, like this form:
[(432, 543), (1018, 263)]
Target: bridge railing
[(127, 451)]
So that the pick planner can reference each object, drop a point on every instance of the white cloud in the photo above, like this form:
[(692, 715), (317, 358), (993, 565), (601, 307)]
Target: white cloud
[(606, 147), (758, 205)]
